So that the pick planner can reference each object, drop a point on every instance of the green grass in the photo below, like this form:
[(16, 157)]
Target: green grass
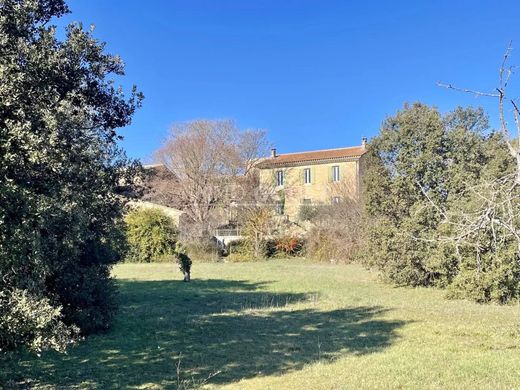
[(284, 325)]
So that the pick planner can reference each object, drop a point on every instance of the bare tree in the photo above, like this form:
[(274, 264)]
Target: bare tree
[(206, 157), (504, 75), (493, 219), (258, 224), (338, 228)]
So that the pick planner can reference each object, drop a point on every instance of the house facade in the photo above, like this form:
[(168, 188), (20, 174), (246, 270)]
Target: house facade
[(312, 178)]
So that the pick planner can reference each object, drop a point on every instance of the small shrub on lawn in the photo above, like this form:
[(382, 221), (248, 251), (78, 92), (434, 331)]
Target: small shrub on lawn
[(151, 235), (184, 261)]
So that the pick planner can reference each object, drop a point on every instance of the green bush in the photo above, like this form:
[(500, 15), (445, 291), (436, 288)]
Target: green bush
[(240, 251), (32, 321), (282, 247), (63, 178), (151, 235), (435, 190), (183, 261)]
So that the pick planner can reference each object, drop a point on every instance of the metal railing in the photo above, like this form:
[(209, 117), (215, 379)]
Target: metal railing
[(227, 232)]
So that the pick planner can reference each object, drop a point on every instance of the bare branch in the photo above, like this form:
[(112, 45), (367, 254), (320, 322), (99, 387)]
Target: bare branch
[(470, 91)]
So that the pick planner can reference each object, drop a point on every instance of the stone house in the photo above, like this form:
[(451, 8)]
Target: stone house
[(312, 178)]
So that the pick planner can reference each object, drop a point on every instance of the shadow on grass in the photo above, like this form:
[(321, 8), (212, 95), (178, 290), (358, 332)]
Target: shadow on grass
[(234, 327)]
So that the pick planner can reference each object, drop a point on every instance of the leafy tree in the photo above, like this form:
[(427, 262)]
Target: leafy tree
[(62, 174), (422, 159)]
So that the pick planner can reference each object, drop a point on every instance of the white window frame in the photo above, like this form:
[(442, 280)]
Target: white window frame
[(335, 173), (280, 178), (307, 176)]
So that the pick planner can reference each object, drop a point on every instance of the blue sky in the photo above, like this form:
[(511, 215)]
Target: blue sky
[(314, 74)]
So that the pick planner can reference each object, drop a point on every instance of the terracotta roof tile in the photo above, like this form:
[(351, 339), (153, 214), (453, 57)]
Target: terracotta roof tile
[(313, 156)]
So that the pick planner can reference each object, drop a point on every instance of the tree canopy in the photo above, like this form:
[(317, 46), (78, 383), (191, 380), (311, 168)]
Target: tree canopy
[(61, 175), (421, 166)]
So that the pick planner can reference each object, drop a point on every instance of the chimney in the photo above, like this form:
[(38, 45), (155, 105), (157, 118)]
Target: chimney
[(273, 152), (364, 142)]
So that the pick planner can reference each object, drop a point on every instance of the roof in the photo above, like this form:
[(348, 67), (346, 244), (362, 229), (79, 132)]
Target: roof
[(314, 157)]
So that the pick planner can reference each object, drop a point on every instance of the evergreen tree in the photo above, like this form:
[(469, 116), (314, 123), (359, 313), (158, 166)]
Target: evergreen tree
[(61, 176)]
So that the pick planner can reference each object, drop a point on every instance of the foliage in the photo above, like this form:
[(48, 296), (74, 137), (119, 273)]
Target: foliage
[(288, 245), (204, 250), (184, 261), (243, 250), (62, 175), (151, 235), (421, 166), (478, 229), (33, 322), (321, 246), (240, 251), (257, 226), (307, 212), (338, 229)]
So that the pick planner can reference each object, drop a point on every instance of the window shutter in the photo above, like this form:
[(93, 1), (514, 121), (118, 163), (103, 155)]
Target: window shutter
[(302, 176), (313, 175), (331, 173)]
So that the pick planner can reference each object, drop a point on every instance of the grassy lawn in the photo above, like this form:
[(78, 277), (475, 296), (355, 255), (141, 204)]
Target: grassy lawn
[(285, 325)]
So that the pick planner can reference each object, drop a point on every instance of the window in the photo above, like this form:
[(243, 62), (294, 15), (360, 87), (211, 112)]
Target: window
[(279, 178), (279, 208), (336, 199), (335, 173), (307, 201), (307, 176)]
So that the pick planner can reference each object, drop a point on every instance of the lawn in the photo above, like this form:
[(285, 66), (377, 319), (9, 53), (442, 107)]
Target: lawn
[(284, 325)]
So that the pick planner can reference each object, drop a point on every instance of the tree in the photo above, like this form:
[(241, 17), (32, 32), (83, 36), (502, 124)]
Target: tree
[(419, 159), (62, 174), (207, 158), (481, 227), (258, 224)]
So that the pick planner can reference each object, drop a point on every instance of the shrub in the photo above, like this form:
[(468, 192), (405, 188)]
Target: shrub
[(307, 212), (204, 250), (240, 251), (151, 235), (184, 261), (289, 245), (338, 229), (32, 321)]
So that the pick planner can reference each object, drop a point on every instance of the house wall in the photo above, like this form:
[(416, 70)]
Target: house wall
[(321, 190)]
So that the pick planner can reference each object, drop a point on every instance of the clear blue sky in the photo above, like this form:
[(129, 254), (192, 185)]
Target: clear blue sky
[(314, 74)]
